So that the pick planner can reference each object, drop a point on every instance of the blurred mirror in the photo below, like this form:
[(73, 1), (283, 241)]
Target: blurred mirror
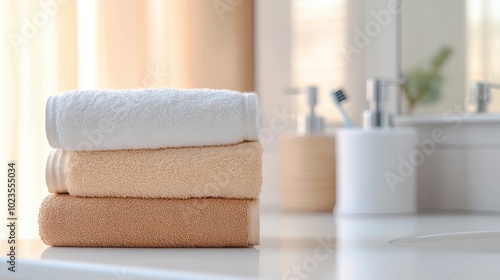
[(445, 46)]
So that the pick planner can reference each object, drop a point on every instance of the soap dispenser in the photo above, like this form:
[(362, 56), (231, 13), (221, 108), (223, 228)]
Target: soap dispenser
[(308, 163), (377, 164), (480, 95)]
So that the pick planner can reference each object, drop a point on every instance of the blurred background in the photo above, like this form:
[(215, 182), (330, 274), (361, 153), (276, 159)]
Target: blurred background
[(263, 46)]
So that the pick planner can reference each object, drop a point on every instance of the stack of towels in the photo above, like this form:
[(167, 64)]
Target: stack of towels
[(152, 168)]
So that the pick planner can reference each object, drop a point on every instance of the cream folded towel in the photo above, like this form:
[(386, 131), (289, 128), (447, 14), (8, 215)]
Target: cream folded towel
[(150, 118), (67, 220), (231, 171)]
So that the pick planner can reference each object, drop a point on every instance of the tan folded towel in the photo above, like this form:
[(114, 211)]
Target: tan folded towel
[(66, 220), (231, 171)]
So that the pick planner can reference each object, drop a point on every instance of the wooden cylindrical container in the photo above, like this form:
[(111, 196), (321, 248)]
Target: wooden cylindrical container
[(307, 172)]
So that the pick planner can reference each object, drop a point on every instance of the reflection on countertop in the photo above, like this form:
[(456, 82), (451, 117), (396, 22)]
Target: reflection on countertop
[(318, 246), (217, 261)]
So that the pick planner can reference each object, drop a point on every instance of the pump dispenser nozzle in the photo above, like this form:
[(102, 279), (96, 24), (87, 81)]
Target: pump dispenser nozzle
[(311, 123), (376, 116)]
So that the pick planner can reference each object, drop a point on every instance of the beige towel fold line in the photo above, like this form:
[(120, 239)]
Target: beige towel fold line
[(54, 176), (231, 171), (66, 220)]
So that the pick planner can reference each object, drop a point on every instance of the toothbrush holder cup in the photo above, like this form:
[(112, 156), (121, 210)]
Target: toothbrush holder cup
[(376, 170)]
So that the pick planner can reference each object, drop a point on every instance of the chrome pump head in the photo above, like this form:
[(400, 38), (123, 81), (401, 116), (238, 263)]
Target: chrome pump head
[(481, 95), (376, 95)]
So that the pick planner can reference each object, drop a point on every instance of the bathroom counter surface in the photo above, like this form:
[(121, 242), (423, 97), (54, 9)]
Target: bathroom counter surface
[(445, 246)]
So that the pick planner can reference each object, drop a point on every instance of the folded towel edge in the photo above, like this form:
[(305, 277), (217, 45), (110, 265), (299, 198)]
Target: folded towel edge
[(252, 117), (55, 178), (50, 123), (254, 222)]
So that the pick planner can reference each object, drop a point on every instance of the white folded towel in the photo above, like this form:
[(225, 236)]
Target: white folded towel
[(150, 118)]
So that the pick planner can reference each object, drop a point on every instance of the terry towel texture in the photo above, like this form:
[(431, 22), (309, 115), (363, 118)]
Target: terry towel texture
[(66, 220), (150, 118), (231, 171)]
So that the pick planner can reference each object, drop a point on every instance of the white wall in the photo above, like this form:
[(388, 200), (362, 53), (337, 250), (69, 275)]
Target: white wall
[(272, 77)]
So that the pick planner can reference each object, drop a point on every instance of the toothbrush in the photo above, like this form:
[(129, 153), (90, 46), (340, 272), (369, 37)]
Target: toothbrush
[(339, 96)]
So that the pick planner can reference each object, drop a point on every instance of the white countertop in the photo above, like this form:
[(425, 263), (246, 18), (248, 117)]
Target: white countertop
[(296, 246)]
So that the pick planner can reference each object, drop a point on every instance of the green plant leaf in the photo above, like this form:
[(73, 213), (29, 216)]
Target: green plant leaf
[(424, 86)]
